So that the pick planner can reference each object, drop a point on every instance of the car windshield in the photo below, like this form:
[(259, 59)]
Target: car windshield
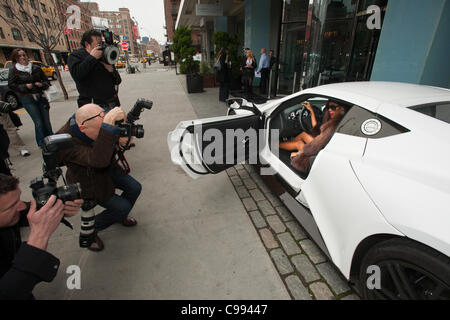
[(440, 111), (4, 74)]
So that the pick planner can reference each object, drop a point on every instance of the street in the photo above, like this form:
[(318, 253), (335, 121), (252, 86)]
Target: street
[(193, 239)]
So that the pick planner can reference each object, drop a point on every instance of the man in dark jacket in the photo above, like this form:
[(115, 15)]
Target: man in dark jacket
[(92, 163), (24, 265), (97, 82)]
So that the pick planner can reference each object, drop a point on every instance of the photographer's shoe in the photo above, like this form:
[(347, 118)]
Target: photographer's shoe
[(129, 222), (97, 245)]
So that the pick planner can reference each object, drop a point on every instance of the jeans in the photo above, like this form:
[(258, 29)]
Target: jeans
[(40, 115), (118, 207)]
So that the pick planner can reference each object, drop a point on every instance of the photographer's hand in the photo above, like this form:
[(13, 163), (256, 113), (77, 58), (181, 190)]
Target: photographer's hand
[(38, 84), (44, 222), (71, 208), (30, 86), (124, 140), (97, 52), (107, 66), (114, 115)]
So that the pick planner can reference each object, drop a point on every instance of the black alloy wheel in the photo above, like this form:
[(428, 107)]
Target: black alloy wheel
[(408, 270), (12, 99)]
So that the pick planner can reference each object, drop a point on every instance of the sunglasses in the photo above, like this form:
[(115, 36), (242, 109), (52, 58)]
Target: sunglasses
[(101, 115), (333, 107)]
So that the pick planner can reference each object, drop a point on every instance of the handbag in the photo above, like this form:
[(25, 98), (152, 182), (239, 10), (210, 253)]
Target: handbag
[(218, 65)]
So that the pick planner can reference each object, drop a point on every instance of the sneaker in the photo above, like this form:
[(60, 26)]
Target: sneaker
[(24, 153)]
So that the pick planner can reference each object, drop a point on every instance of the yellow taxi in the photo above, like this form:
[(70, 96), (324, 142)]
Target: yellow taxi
[(120, 64), (50, 72)]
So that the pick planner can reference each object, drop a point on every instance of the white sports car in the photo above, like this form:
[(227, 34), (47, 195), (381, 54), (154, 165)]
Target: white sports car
[(376, 199)]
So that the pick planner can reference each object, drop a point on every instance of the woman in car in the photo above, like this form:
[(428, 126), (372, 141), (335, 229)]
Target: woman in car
[(307, 145), (30, 82)]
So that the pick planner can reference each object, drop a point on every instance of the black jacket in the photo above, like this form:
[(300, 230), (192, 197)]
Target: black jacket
[(18, 80), (22, 266), (223, 75), (93, 81)]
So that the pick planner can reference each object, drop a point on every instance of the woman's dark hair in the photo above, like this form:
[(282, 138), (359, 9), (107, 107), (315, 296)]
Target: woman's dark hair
[(15, 54), (221, 51), (87, 36), (7, 183)]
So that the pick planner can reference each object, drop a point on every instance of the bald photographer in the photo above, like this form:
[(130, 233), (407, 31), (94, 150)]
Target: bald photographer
[(94, 163)]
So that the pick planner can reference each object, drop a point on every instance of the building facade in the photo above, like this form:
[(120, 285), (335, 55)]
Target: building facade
[(43, 13), (73, 34), (326, 41), (171, 8)]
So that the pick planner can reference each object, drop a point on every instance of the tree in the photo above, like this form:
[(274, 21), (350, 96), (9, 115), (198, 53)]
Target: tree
[(222, 39), (184, 51), (45, 26)]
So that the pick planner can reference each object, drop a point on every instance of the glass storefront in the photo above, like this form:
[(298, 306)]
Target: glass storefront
[(326, 41)]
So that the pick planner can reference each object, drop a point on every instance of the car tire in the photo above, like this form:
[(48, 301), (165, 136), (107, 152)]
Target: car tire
[(408, 270), (13, 100)]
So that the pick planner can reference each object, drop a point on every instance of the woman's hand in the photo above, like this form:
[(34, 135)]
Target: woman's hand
[(295, 154), (308, 106), (29, 86), (38, 84)]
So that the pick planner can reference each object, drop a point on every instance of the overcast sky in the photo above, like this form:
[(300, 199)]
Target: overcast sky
[(148, 13)]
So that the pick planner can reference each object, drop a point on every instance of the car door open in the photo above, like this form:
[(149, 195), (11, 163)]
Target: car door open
[(210, 146)]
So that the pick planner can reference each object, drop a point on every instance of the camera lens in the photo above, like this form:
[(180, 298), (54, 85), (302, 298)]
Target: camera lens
[(69, 193), (138, 131)]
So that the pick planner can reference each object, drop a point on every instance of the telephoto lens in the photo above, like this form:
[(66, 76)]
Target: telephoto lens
[(87, 233)]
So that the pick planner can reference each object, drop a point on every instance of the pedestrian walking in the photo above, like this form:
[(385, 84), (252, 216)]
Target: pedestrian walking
[(223, 73), (30, 82), (248, 67), (263, 69)]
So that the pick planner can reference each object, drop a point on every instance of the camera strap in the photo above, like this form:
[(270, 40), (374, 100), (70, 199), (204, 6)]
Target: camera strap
[(122, 161)]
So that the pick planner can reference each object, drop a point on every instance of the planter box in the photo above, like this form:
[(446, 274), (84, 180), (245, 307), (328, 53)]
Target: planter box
[(194, 83), (209, 80)]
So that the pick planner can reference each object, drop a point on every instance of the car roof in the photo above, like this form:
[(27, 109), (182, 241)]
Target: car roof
[(401, 94)]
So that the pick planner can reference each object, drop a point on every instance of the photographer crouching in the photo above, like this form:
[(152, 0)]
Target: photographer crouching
[(24, 265), (93, 163), (92, 69)]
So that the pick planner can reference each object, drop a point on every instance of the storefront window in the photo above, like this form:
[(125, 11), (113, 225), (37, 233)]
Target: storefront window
[(329, 42)]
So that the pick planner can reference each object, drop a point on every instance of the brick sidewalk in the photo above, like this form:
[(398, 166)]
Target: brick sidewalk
[(304, 268)]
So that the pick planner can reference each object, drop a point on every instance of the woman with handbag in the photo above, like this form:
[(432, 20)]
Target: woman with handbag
[(30, 82), (222, 66)]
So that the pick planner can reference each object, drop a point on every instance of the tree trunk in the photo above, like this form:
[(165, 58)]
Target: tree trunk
[(53, 64)]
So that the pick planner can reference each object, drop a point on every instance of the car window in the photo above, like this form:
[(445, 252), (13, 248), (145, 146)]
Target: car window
[(440, 111)]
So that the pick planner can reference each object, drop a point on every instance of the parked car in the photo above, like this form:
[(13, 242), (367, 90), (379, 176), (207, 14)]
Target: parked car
[(377, 195), (6, 94), (50, 72)]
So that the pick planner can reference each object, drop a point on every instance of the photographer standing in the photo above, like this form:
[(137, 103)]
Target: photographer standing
[(24, 265), (92, 163), (97, 82)]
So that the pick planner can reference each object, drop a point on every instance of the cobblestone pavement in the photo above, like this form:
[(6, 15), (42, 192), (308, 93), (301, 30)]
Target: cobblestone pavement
[(304, 268)]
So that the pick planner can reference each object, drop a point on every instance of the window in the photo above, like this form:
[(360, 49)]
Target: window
[(20, 2), (16, 34), (47, 22), (52, 40), (24, 16), (440, 111), (36, 19), (8, 11), (30, 36), (42, 37), (44, 9), (2, 35), (33, 4)]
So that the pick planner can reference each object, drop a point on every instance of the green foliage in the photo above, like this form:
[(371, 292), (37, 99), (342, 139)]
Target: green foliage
[(222, 39), (206, 68), (184, 51)]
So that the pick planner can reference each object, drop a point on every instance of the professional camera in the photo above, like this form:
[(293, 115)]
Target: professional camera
[(5, 107), (110, 48), (129, 129), (42, 191)]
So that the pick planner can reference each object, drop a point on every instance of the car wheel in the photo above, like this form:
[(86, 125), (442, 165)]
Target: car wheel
[(12, 99), (54, 76), (408, 271)]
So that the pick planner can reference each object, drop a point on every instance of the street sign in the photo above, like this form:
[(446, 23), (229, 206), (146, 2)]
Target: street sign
[(124, 46)]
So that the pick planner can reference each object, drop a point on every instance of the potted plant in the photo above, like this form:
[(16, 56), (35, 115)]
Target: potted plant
[(184, 55), (222, 39), (208, 74)]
